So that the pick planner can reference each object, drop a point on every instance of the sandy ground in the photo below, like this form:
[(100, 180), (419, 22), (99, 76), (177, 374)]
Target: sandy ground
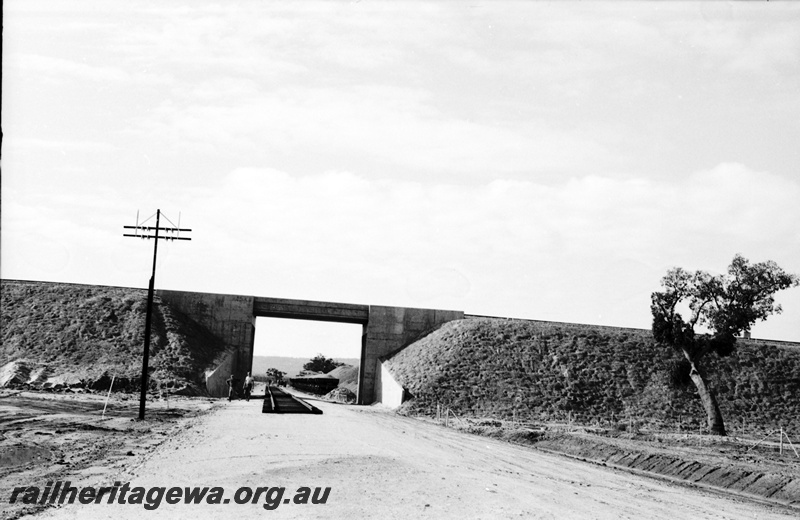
[(67, 436), (378, 465)]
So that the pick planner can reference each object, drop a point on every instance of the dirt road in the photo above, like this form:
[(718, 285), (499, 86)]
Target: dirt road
[(379, 465)]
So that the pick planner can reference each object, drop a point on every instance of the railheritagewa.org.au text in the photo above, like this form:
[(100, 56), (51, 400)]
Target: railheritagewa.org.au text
[(59, 493)]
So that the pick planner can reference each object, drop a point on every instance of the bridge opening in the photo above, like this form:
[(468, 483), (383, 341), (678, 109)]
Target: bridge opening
[(377, 332), (287, 344)]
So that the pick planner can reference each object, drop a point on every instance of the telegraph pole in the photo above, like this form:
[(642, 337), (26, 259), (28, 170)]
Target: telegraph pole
[(174, 234)]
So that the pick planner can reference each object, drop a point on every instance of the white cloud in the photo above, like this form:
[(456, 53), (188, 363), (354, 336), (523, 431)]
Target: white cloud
[(15, 145), (36, 65), (530, 159), (56, 69), (394, 126), (574, 244), (742, 39), (588, 250)]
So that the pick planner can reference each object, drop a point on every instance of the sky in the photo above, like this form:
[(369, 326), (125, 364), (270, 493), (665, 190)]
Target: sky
[(542, 160)]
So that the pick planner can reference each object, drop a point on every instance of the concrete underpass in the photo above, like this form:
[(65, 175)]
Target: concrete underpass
[(232, 318)]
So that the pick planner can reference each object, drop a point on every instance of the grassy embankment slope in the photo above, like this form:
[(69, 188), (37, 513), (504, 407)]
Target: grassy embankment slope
[(530, 370), (66, 333)]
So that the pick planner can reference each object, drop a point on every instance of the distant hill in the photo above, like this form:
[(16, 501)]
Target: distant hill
[(290, 365)]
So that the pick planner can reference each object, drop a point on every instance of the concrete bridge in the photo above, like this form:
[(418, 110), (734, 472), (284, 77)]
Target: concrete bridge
[(385, 330)]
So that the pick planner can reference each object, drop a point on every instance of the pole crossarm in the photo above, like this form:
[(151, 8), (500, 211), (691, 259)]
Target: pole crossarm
[(151, 228), (146, 229), (156, 237)]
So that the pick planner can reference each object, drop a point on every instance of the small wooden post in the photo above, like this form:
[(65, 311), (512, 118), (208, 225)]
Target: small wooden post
[(109, 394)]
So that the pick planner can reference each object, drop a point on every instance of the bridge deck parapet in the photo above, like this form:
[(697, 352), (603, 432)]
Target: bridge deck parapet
[(310, 310)]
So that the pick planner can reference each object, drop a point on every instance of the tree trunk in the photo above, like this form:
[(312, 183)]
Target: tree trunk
[(715, 423)]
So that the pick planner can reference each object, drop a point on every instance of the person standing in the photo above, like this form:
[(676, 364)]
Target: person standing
[(231, 387), (248, 386)]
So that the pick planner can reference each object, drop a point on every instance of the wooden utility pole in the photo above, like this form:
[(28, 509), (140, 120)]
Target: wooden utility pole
[(148, 319)]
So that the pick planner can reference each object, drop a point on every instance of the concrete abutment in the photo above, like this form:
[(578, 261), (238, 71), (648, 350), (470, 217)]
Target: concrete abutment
[(386, 330)]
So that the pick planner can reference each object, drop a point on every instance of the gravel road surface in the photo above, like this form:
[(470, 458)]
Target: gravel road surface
[(380, 465)]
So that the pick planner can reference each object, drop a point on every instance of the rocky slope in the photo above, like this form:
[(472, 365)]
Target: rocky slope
[(65, 334), (592, 375)]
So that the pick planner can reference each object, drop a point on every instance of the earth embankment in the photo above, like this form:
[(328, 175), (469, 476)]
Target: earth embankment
[(538, 371), (79, 335)]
